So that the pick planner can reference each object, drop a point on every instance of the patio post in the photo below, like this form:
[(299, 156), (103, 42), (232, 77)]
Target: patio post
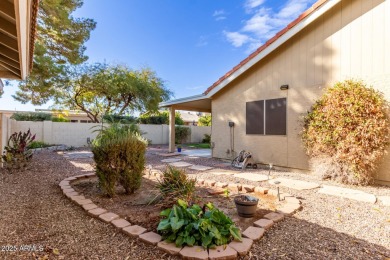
[(171, 129)]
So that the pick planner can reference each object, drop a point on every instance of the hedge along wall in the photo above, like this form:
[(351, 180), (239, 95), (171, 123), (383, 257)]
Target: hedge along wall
[(76, 134)]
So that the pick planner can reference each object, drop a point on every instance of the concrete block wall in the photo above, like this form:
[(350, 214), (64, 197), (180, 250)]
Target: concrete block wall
[(76, 134)]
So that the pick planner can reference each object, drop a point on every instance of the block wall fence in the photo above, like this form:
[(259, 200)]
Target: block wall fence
[(76, 134)]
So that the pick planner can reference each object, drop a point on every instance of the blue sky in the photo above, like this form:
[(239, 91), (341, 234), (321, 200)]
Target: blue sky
[(189, 43)]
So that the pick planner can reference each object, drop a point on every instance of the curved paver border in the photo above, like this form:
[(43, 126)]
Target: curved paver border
[(231, 251)]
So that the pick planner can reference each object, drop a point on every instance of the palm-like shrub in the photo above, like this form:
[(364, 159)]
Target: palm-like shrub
[(347, 131), (120, 158)]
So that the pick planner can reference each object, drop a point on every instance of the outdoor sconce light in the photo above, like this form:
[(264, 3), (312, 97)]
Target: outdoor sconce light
[(284, 87)]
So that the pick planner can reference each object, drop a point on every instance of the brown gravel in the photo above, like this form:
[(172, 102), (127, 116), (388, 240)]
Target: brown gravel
[(33, 211)]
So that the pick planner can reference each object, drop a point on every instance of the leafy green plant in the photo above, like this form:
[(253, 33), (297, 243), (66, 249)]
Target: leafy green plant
[(174, 184), (206, 139), (182, 133), (346, 132), (207, 227), (159, 118), (37, 144), (115, 118), (204, 120), (31, 116), (120, 158), (16, 154)]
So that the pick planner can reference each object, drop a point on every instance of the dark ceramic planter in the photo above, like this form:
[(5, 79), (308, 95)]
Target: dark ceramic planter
[(246, 205), (179, 149)]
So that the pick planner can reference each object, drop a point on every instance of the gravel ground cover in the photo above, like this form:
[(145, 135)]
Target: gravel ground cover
[(33, 211)]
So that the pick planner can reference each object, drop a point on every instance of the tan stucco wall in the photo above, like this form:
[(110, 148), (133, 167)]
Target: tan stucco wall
[(352, 40)]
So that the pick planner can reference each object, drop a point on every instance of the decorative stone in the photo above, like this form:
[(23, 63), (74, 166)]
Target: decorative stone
[(233, 187), (275, 217), (261, 190), (108, 217), (263, 223), (68, 190), (134, 231), (200, 168), (254, 233), (89, 206), (170, 248), (287, 209), (120, 223), (215, 191), (194, 253), (71, 194), (243, 247), (221, 185), (150, 238), (209, 183), (96, 212), (200, 181), (74, 198), (248, 188), (223, 253)]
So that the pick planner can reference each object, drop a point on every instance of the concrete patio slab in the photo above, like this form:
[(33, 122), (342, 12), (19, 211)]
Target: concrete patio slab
[(171, 160), (295, 184), (198, 152), (251, 176), (200, 168), (167, 154), (348, 193), (180, 164), (222, 172)]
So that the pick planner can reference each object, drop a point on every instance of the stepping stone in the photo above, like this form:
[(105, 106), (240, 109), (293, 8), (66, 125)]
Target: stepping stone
[(253, 233), (134, 231), (348, 193), (89, 206), (167, 154), (243, 247), (263, 223), (275, 217), (96, 212), (200, 168), (74, 198), (71, 194), (170, 248), (120, 223), (180, 164), (83, 202), (261, 190), (194, 253), (222, 172), (171, 160), (222, 252), (150, 238), (108, 217), (251, 176), (248, 188), (295, 184), (288, 209), (209, 183), (215, 191), (385, 200)]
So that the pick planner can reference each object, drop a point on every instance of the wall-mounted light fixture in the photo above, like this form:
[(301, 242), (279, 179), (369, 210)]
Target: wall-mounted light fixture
[(284, 87)]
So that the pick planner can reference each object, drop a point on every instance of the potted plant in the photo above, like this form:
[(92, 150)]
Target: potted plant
[(246, 205), (179, 148)]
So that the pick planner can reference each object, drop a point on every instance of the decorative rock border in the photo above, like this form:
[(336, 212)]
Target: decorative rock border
[(231, 251)]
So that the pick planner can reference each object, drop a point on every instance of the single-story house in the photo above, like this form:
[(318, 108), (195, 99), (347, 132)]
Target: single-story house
[(17, 38), (259, 104)]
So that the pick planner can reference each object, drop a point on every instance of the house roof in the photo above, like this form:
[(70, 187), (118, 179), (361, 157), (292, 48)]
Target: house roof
[(17, 37), (306, 18)]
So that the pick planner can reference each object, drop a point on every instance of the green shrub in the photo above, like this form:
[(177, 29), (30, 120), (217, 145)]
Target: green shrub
[(37, 144), (193, 226), (204, 120), (60, 119), (174, 184), (181, 134), (159, 118), (206, 139), (120, 158), (31, 116), (114, 118), (346, 132), (16, 154)]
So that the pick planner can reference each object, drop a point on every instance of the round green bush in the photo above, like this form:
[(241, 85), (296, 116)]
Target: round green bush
[(346, 132)]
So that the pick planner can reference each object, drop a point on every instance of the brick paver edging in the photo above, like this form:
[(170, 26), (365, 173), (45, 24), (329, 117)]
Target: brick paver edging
[(231, 251)]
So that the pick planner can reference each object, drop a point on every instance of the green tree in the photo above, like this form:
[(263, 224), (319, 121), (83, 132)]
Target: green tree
[(100, 89), (159, 118), (204, 120), (59, 42)]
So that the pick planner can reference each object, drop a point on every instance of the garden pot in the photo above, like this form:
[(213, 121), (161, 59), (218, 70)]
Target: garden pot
[(246, 205), (179, 149)]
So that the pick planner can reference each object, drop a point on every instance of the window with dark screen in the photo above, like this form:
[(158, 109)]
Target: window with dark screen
[(266, 117)]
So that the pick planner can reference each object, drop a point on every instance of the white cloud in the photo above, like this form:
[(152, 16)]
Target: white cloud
[(265, 22), (219, 15), (236, 39)]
